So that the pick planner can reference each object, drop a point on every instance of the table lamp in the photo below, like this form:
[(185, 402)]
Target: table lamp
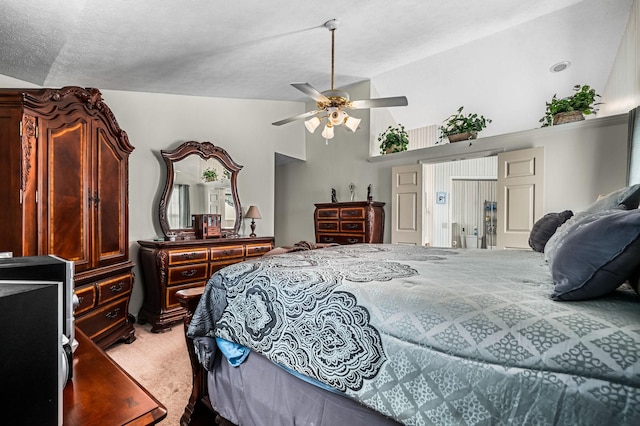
[(253, 213)]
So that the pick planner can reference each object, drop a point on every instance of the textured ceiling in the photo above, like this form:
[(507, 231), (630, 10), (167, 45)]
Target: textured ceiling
[(254, 49)]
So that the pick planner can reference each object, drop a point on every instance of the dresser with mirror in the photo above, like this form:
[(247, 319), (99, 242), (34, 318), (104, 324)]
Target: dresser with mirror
[(201, 180)]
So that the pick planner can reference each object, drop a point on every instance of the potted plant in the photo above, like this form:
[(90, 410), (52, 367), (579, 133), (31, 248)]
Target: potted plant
[(210, 175), (571, 108), (394, 139), (460, 127)]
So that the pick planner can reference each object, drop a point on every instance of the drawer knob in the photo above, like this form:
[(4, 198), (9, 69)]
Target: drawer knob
[(117, 288), (188, 255), (189, 273), (113, 314), (352, 240), (352, 225), (327, 239)]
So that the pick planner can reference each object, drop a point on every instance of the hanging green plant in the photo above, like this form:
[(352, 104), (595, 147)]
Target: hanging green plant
[(394, 139), (571, 108), (461, 127)]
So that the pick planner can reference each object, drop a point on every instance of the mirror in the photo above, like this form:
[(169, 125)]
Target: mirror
[(201, 178)]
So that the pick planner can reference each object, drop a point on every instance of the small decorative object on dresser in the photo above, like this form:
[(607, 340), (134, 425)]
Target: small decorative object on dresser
[(206, 225), (349, 222), (253, 213)]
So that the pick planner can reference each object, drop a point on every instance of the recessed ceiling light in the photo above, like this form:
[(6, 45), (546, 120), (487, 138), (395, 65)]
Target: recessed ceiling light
[(560, 66)]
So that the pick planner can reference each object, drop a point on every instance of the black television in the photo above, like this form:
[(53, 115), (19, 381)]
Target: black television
[(38, 339)]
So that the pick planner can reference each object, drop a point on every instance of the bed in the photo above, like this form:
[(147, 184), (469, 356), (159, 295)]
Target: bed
[(391, 334)]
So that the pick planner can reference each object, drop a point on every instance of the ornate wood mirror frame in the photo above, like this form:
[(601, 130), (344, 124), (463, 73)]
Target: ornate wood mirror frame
[(230, 169)]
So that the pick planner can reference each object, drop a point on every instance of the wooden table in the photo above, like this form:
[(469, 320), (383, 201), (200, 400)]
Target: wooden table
[(101, 393)]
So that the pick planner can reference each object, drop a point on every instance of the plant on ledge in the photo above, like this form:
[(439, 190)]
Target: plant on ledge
[(394, 139), (461, 127), (571, 108), (209, 175)]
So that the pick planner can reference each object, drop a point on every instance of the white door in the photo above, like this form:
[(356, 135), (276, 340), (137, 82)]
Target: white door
[(407, 207), (520, 195)]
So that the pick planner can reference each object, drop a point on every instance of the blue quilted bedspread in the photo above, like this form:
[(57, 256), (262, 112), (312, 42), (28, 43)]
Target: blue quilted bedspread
[(435, 336)]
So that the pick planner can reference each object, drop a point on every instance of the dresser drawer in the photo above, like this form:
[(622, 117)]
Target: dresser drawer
[(183, 274), (257, 249), (104, 318), (355, 226), (228, 252), (352, 213), (113, 288), (171, 299), (86, 298), (340, 239), (177, 257), (216, 266), (327, 226), (327, 213)]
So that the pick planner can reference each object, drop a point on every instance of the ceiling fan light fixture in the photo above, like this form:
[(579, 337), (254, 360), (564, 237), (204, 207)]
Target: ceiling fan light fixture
[(327, 133), (337, 116), (351, 123), (312, 124), (333, 102)]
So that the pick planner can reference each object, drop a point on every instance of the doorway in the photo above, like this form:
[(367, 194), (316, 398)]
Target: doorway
[(473, 203)]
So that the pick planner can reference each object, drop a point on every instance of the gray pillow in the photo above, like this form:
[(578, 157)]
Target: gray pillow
[(571, 225), (545, 227), (597, 256), (626, 198)]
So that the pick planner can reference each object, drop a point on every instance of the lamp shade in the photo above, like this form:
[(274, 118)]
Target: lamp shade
[(253, 213), (352, 123), (312, 124), (327, 133)]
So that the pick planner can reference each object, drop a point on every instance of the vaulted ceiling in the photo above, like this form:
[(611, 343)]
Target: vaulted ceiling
[(492, 56)]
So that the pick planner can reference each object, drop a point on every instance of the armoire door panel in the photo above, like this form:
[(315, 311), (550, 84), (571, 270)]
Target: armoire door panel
[(68, 195), (111, 235)]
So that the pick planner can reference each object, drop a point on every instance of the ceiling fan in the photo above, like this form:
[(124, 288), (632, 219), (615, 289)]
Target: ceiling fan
[(334, 102)]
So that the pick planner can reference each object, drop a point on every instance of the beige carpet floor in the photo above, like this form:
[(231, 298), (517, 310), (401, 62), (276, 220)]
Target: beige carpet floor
[(160, 363)]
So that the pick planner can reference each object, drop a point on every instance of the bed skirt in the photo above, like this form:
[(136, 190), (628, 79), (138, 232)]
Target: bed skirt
[(260, 393)]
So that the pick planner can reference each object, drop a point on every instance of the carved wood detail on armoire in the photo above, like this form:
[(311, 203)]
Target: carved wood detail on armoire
[(64, 173)]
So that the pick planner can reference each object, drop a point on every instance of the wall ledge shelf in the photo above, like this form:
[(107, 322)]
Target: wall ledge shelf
[(491, 145)]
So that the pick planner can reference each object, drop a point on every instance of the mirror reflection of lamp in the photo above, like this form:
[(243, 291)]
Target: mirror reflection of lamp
[(253, 213)]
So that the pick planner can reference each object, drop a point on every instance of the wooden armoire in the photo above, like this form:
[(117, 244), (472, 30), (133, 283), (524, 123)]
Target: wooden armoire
[(64, 165)]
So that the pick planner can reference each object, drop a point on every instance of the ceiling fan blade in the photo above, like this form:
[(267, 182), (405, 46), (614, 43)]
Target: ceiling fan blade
[(380, 102), (310, 91), (296, 117)]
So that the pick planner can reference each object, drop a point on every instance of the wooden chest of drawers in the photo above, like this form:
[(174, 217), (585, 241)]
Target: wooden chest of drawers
[(170, 266), (349, 222), (103, 309)]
